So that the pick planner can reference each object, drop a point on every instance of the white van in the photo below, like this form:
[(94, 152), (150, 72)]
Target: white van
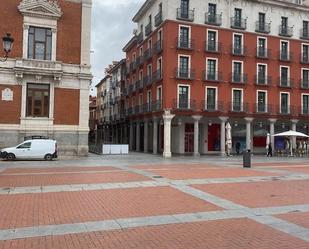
[(32, 149)]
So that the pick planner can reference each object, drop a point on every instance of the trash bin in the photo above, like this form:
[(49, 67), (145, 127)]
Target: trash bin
[(247, 159)]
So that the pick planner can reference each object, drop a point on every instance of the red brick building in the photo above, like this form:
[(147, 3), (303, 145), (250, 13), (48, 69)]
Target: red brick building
[(45, 81), (195, 65)]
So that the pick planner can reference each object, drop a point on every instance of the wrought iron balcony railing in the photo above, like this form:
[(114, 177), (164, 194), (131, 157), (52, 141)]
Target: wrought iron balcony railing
[(239, 107), (212, 76), (239, 78), (213, 19), (148, 29), (238, 23), (262, 27), (262, 108), (158, 46), (285, 56), (185, 43), (185, 15), (185, 73), (238, 50), (263, 53), (213, 47), (216, 106), (263, 80), (285, 31), (158, 19), (304, 34), (184, 104), (304, 84), (285, 82)]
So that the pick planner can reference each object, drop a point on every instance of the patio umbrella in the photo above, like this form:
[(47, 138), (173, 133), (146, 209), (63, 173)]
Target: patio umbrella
[(291, 134), (228, 129)]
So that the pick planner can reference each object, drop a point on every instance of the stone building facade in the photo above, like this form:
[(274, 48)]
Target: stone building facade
[(47, 73)]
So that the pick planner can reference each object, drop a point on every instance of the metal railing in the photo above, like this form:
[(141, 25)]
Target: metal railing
[(186, 15), (239, 78), (158, 19), (185, 43), (262, 27), (216, 106), (238, 50), (214, 47), (140, 37), (304, 83), (304, 34), (148, 54), (263, 53), (213, 19), (285, 82), (304, 58), (181, 73), (212, 76), (238, 23), (157, 75), (285, 31), (262, 108), (158, 46), (238, 107), (285, 56), (263, 80), (148, 29), (184, 104)]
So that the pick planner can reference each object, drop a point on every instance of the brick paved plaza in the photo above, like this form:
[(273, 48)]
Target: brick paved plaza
[(147, 202)]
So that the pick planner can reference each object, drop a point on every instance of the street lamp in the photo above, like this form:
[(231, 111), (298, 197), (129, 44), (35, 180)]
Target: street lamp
[(7, 45)]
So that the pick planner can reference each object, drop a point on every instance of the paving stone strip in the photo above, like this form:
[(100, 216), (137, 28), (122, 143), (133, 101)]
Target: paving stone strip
[(125, 223), (62, 173)]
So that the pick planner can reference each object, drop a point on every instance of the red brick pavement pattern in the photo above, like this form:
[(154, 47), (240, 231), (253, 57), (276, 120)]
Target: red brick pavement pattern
[(298, 218), (281, 164), (202, 173), (61, 179), (73, 207), (224, 234), (55, 169), (175, 166), (261, 194)]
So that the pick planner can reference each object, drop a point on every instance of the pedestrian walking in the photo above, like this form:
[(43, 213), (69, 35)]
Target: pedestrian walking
[(270, 151)]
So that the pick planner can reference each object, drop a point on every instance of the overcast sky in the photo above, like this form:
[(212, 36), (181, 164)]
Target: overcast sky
[(112, 27)]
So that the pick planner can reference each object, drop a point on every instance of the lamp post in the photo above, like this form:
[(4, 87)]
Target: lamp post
[(7, 45)]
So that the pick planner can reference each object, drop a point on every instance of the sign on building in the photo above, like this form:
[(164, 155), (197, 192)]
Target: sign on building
[(7, 95)]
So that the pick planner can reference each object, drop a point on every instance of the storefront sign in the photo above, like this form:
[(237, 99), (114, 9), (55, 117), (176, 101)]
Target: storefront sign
[(7, 95)]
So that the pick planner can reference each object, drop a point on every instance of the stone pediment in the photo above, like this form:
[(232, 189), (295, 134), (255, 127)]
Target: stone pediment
[(40, 8)]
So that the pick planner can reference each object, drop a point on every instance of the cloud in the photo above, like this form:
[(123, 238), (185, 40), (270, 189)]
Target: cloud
[(112, 28)]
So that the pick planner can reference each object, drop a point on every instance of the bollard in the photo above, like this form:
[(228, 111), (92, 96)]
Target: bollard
[(247, 159)]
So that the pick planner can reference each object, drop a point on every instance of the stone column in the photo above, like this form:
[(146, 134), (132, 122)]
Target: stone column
[(272, 122), (167, 119), (248, 133), (138, 133), (131, 136), (293, 140), (222, 135), (155, 136), (145, 136), (196, 135)]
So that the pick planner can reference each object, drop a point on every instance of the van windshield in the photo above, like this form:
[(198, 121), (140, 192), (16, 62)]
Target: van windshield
[(25, 146)]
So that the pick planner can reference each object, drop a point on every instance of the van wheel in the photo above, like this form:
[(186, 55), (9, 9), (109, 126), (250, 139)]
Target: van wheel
[(48, 157), (10, 157)]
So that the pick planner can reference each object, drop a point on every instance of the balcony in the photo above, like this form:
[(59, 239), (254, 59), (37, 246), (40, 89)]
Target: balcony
[(304, 34), (125, 92), (285, 82), (216, 106), (213, 19), (304, 58), (186, 74), (285, 56), (287, 110), (238, 50), (157, 75), (147, 107), (263, 53), (262, 27), (185, 15), (238, 23), (213, 47), (304, 84), (148, 29), (239, 78), (158, 19), (147, 81), (158, 46), (156, 105), (261, 108), (130, 89), (238, 107), (212, 76), (139, 61), (140, 37), (285, 31), (187, 44), (148, 54), (138, 85), (263, 80), (184, 105), (138, 109)]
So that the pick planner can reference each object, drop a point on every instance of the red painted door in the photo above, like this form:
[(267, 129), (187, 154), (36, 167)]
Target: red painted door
[(214, 137)]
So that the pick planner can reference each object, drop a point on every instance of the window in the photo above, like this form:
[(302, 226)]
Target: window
[(305, 78), (141, 75), (149, 44), (149, 99), (305, 104), (39, 43), (262, 49), (184, 40), (211, 69), (284, 103), (184, 66), (37, 100), (284, 50), (305, 53), (237, 44), (284, 23), (211, 98), (261, 21), (238, 15), (237, 71), (184, 7), (237, 100), (26, 145), (140, 99), (284, 76), (212, 41), (159, 68), (261, 101), (141, 51), (261, 79), (305, 33), (212, 10), (183, 97), (159, 93)]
